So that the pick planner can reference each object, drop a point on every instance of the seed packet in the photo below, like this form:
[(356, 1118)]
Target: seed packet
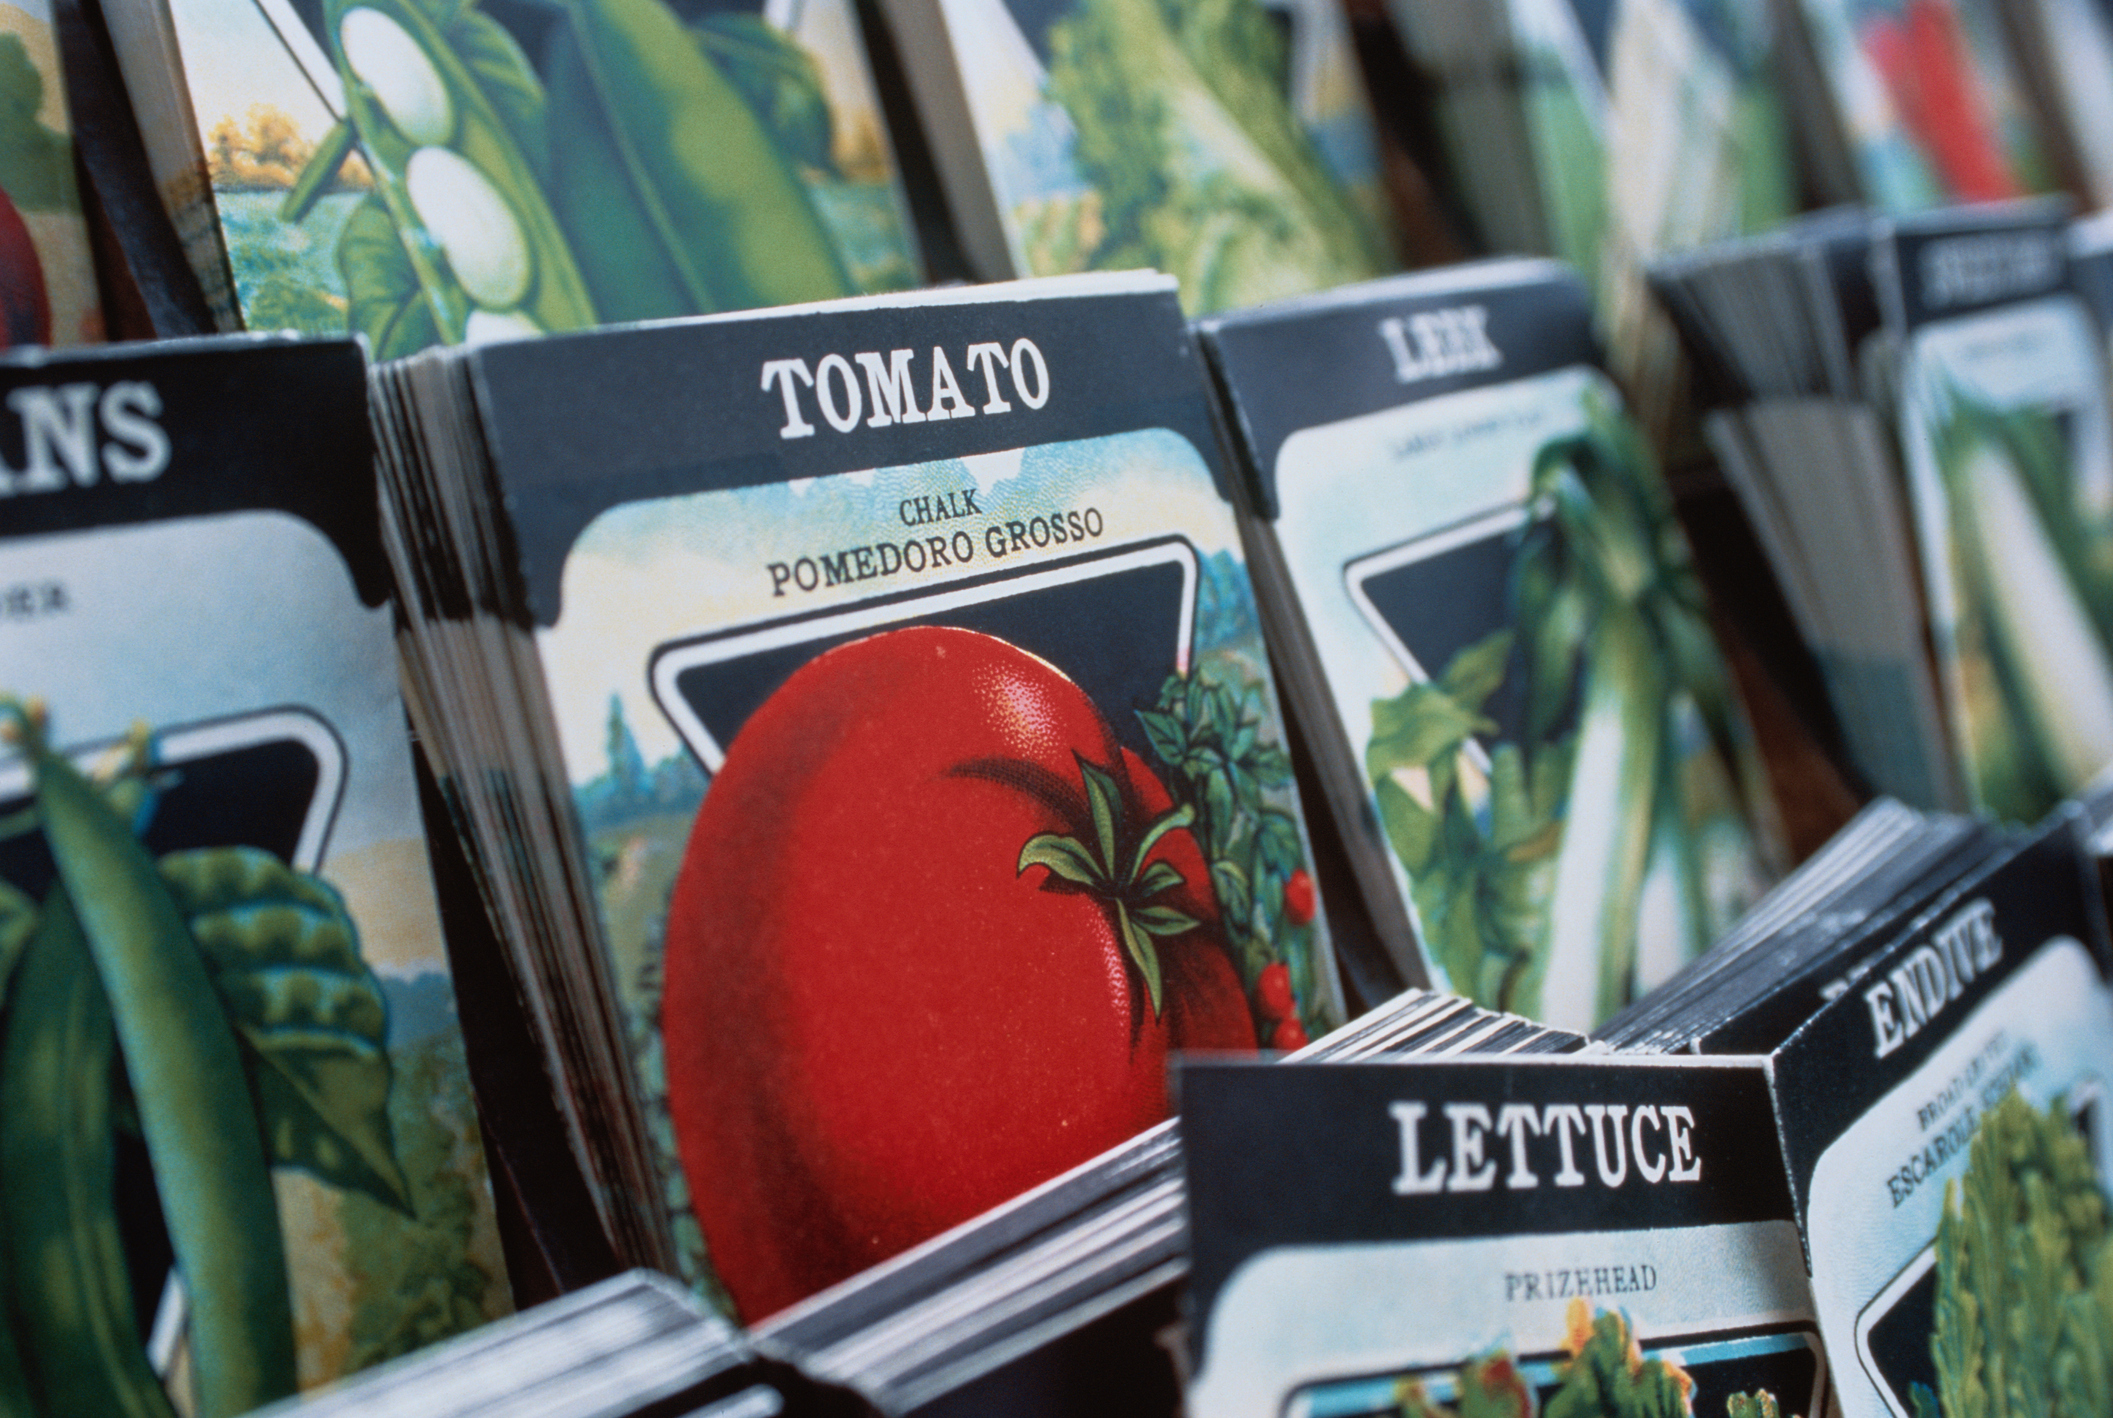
[(2007, 443), (1427, 1237), (1943, 1123), (425, 171), (887, 725), (1925, 100), (1229, 144), (239, 1152), (1491, 626)]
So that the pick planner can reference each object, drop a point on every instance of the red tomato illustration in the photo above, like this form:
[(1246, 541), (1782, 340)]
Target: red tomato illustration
[(1928, 67), (878, 1023)]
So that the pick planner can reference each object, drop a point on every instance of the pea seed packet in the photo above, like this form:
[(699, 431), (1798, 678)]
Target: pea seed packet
[(1229, 144), (872, 756), (1943, 1123), (427, 171), (1423, 1237), (2004, 431), (1491, 626), (238, 1151)]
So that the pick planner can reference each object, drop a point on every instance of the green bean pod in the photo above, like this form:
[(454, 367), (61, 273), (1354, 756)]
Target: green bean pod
[(192, 1094), (67, 1284), (709, 181)]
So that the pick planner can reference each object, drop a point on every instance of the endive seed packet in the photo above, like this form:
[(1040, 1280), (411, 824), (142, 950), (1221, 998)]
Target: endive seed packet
[(1490, 625), (1944, 1124), (2007, 443), (238, 1150)]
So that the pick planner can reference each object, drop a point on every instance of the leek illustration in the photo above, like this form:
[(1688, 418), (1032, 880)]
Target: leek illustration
[(1532, 876)]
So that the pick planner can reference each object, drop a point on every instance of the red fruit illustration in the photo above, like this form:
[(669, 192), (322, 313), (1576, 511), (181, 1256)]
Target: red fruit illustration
[(1273, 992), (1298, 897), (1289, 1035), (1928, 68), (910, 957), (25, 308)]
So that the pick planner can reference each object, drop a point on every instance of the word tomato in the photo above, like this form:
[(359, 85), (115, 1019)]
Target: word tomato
[(934, 934)]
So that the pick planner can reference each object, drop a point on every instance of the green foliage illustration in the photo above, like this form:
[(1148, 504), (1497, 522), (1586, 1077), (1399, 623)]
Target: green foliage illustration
[(2034, 631), (1626, 704), (36, 164), (1235, 227), (1225, 765), (2024, 1275), (216, 1003), (1605, 1375)]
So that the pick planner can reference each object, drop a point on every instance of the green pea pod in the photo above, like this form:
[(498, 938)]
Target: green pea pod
[(489, 141), (709, 188), (66, 1281), (193, 1097)]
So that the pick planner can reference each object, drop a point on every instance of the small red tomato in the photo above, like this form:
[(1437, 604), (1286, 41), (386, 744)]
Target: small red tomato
[(1273, 991), (1298, 897), (25, 307), (1289, 1035)]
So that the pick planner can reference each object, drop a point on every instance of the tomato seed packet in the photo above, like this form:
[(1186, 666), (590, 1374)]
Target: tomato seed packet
[(238, 1145), (888, 723), (1489, 618)]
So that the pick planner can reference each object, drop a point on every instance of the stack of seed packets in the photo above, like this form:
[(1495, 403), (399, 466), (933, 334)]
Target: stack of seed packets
[(1071, 1289), (632, 1344), (238, 1150), (1986, 372), (859, 724), (1489, 624), (1431, 1237)]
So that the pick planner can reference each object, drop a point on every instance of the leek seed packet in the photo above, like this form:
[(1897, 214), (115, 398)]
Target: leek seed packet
[(238, 1150), (1491, 623), (434, 171), (1420, 1239), (2008, 446), (1944, 1121)]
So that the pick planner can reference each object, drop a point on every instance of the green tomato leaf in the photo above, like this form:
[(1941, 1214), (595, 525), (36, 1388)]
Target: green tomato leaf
[(1230, 885), (1065, 857), (1158, 877), (1163, 732), (1171, 821), (1412, 829), (1162, 920), (1104, 805), (284, 957), (1477, 670), (779, 79), (1138, 943), (1417, 728), (387, 305)]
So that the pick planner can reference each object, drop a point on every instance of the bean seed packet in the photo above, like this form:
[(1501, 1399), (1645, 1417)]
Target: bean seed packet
[(1426, 1237), (238, 1152), (1230, 144), (433, 171), (1944, 1125), (2007, 443), (873, 753), (1490, 624), (1924, 98)]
